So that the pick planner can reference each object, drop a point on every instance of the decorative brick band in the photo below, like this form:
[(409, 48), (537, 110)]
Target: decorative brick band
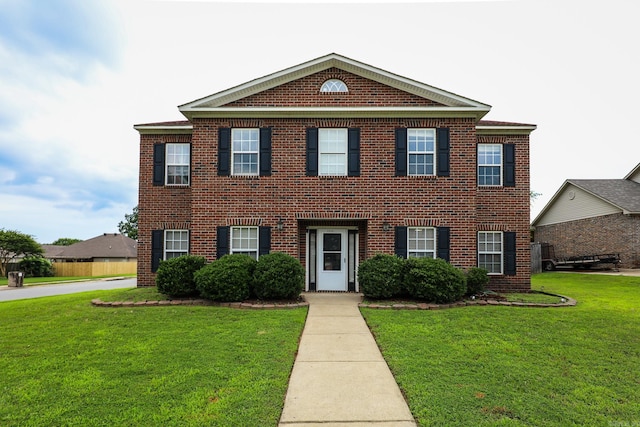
[(333, 215), (422, 222), (244, 221), (240, 305)]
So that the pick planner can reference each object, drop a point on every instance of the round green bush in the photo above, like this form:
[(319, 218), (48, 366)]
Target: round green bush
[(278, 276), (379, 277), (227, 279), (36, 266), (175, 275), (477, 279), (433, 280)]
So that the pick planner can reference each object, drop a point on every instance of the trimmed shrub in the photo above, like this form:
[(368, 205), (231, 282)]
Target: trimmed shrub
[(35, 266), (379, 276), (175, 275), (433, 280), (278, 276), (227, 279), (477, 279)]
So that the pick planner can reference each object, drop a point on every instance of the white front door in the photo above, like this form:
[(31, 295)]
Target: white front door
[(332, 260)]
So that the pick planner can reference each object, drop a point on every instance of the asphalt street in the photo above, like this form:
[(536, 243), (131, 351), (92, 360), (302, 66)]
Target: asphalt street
[(11, 294)]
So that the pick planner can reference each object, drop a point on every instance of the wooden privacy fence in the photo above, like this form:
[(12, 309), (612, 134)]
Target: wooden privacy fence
[(74, 269), (536, 258)]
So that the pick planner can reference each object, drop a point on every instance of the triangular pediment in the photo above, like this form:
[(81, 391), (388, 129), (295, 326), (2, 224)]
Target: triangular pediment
[(435, 101)]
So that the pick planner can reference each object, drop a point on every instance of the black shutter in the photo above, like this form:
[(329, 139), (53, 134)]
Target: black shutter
[(265, 151), (442, 241), (264, 240), (442, 141), (222, 241), (312, 151), (401, 242), (157, 249), (401, 152), (354, 152), (509, 151), (224, 151), (509, 253), (158, 164)]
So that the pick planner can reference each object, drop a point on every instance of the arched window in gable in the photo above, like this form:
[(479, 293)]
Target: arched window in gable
[(334, 85)]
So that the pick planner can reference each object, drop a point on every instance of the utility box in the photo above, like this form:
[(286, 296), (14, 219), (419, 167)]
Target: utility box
[(16, 279)]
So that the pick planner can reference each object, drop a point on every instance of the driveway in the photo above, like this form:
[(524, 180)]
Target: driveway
[(11, 294)]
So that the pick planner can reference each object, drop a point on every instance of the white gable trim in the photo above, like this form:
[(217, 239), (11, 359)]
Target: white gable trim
[(448, 99)]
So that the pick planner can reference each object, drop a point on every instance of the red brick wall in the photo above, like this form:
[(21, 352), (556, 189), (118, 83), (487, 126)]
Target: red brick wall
[(159, 207), (615, 233), (376, 196), (507, 209)]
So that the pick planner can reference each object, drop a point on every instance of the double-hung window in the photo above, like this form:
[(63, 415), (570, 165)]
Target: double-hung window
[(490, 164), (421, 151), (245, 151), (244, 240), (176, 243), (177, 164), (332, 148), (421, 242), (490, 251)]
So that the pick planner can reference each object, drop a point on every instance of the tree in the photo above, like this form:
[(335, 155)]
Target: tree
[(14, 244), (533, 195), (129, 227), (66, 241)]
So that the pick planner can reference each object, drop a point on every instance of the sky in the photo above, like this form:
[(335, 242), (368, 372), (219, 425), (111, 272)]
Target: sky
[(76, 75)]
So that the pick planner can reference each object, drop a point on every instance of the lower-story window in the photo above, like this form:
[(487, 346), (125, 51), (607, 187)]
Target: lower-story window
[(244, 240), (421, 242), (176, 243), (490, 251)]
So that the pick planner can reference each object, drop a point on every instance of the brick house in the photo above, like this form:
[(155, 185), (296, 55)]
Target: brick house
[(594, 216), (333, 161)]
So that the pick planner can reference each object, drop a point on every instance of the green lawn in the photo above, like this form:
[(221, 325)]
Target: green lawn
[(46, 280), (508, 366), (66, 363)]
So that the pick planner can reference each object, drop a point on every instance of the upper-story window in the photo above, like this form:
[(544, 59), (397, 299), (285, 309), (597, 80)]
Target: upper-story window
[(334, 85), (244, 151), (490, 164), (177, 164), (332, 147), (421, 151)]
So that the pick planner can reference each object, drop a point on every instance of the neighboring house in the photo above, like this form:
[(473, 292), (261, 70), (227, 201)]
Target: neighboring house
[(333, 161), (108, 247), (594, 216)]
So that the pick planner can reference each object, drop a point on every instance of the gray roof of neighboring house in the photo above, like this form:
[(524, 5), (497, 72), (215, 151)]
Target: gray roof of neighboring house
[(622, 193), (107, 245), (51, 251)]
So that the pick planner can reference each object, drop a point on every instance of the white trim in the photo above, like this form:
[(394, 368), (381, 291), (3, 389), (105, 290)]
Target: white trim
[(505, 130), (323, 63), (334, 112), (163, 130)]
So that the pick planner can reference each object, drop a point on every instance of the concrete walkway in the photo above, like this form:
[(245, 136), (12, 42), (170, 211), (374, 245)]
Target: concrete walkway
[(339, 377)]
